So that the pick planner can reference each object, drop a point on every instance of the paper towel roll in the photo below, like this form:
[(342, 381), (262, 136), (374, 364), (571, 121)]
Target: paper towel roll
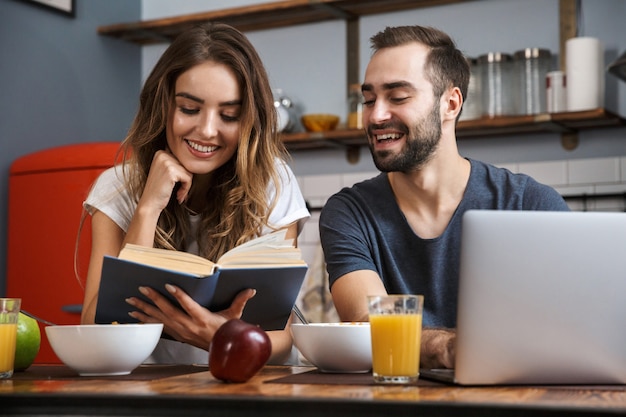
[(585, 73)]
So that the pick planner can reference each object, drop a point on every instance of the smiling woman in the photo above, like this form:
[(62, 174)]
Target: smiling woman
[(206, 171), (65, 7)]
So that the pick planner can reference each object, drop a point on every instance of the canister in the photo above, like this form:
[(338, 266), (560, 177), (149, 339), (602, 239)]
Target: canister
[(472, 103), (496, 69), (556, 92), (532, 65)]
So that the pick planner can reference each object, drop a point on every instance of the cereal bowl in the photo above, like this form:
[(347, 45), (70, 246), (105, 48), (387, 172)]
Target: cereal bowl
[(104, 349), (335, 347)]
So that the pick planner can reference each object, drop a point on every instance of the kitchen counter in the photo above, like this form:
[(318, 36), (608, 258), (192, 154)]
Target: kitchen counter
[(282, 390)]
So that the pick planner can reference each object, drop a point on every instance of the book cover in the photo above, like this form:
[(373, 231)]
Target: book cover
[(277, 288)]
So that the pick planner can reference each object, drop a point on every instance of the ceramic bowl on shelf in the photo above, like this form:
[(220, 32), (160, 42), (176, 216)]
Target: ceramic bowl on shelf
[(320, 122), (335, 347), (104, 349)]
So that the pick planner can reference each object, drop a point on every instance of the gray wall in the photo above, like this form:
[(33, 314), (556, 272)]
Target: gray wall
[(62, 83)]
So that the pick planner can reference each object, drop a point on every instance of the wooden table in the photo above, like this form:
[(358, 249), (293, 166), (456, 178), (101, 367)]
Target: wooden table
[(300, 391)]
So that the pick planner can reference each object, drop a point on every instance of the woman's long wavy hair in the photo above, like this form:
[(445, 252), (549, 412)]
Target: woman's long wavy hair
[(237, 206)]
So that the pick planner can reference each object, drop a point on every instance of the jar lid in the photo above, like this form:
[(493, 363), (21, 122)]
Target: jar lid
[(530, 53), (495, 57)]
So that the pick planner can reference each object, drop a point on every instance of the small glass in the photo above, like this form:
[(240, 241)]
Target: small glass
[(9, 313), (396, 332)]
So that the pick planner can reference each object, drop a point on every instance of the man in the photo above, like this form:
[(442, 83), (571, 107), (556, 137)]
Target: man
[(400, 231)]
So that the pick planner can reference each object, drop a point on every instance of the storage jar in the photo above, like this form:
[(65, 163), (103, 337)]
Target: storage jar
[(496, 69), (532, 66)]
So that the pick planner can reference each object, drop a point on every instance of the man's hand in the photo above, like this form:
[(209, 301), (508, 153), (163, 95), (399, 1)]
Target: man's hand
[(438, 348)]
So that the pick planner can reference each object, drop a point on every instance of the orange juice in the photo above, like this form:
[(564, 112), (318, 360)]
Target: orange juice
[(8, 336), (396, 342)]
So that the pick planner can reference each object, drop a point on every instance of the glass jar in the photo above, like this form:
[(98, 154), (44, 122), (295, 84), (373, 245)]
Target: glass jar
[(532, 67), (497, 84), (355, 107), (285, 111), (472, 104)]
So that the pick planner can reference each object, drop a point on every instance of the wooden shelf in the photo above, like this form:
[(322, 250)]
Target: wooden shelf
[(287, 13), (262, 16), (568, 122)]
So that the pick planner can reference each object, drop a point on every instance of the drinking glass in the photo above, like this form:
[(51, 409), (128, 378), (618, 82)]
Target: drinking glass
[(9, 313), (396, 332)]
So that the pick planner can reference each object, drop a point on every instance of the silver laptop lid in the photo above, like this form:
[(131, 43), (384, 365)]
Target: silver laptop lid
[(542, 298)]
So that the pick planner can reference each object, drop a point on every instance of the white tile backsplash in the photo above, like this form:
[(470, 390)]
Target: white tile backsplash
[(568, 191), (594, 170), (553, 173), (610, 188), (320, 186)]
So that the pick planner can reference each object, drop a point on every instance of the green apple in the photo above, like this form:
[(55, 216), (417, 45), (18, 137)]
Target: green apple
[(28, 342)]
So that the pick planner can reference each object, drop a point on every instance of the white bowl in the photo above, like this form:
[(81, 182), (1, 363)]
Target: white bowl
[(104, 349), (335, 347)]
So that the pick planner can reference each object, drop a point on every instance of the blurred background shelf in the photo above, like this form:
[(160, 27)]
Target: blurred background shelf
[(287, 13), (262, 16), (567, 122)]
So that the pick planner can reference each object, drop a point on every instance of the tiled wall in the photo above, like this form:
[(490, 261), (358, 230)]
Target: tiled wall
[(587, 184)]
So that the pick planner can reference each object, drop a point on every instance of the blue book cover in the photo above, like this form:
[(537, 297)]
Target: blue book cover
[(277, 288)]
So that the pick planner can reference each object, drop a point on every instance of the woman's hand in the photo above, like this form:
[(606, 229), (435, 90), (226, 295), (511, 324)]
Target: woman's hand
[(165, 174), (193, 324)]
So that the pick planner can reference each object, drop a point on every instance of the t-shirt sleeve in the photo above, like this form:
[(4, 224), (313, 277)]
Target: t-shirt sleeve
[(345, 237), (539, 196), (290, 206), (110, 196)]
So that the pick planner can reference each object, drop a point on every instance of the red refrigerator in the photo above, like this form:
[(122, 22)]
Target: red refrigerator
[(46, 191)]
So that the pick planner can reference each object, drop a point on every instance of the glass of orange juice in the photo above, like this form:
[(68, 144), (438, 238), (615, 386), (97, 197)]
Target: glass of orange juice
[(396, 332), (9, 313)]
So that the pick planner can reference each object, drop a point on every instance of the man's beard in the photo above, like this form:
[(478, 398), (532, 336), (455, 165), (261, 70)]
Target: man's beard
[(421, 143)]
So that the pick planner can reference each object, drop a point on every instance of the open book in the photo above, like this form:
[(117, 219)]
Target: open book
[(267, 250), (270, 264)]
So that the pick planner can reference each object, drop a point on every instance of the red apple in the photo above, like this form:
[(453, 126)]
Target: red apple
[(238, 351)]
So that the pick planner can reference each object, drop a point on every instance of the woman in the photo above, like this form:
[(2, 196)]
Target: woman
[(204, 172)]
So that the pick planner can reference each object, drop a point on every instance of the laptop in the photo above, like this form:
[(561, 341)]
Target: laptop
[(542, 299)]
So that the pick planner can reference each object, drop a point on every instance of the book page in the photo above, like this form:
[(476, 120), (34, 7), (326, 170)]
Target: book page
[(271, 240), (267, 250), (168, 259)]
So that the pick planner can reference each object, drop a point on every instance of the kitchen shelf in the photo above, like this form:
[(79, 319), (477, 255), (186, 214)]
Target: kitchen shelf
[(562, 123), (288, 13), (262, 16)]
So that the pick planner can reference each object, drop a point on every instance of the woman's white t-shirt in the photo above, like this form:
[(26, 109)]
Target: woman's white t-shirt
[(110, 196)]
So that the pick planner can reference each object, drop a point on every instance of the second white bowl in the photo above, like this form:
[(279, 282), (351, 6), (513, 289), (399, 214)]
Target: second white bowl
[(335, 347)]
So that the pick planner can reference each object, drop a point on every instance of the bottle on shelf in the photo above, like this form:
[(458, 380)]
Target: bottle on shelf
[(355, 107)]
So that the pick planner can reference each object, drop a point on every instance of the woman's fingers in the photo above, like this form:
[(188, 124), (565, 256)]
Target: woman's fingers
[(166, 176), (239, 303), (192, 324)]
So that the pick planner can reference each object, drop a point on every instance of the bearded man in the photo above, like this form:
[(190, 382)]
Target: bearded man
[(400, 232)]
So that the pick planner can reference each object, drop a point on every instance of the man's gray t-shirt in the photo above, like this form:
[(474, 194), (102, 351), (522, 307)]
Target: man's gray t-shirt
[(362, 227)]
